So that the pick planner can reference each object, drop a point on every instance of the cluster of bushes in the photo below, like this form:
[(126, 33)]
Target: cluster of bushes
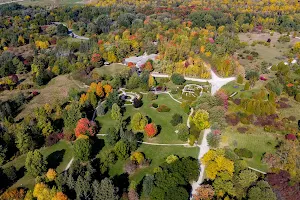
[(284, 38), (154, 105), (243, 152), (163, 108), (242, 129), (24, 86), (261, 42)]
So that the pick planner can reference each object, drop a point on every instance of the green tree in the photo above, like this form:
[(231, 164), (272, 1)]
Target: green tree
[(177, 79), (112, 99), (240, 79), (62, 30), (93, 99), (148, 184), (35, 163), (247, 86), (134, 81), (122, 150), (138, 122), (3, 151), (246, 178), (182, 132), (71, 116), (262, 191), (24, 141), (112, 136), (82, 149), (201, 119), (176, 119), (116, 112), (83, 188), (105, 190)]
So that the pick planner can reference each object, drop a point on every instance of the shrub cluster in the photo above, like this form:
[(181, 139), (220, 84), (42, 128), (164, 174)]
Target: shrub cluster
[(232, 119), (242, 129), (163, 108), (243, 152), (154, 105)]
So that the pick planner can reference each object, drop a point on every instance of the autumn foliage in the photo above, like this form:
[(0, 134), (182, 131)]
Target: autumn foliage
[(60, 196), (51, 174), (151, 130), (85, 127), (96, 58), (204, 192), (15, 194)]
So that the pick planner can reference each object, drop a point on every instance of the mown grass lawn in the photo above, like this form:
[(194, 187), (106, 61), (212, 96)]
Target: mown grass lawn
[(258, 141), (158, 155), (111, 69), (58, 156), (167, 133)]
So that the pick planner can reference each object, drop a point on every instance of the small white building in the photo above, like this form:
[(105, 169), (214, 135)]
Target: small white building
[(140, 60)]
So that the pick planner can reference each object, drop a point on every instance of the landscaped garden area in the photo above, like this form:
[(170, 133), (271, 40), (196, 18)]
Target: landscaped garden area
[(167, 133), (205, 105)]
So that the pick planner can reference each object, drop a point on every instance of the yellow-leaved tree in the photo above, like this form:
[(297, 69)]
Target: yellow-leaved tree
[(215, 162), (51, 174)]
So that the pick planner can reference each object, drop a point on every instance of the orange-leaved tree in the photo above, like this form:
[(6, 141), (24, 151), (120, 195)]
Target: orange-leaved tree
[(60, 196), (85, 127), (151, 130), (16, 194), (51, 174)]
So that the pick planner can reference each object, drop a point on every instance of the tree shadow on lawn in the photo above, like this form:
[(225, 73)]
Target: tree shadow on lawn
[(55, 158), (122, 182), (158, 129), (97, 145)]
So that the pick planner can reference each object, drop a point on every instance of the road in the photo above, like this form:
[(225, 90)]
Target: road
[(71, 33), (16, 1)]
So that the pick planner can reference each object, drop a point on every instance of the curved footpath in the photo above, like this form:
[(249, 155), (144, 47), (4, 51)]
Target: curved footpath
[(215, 81)]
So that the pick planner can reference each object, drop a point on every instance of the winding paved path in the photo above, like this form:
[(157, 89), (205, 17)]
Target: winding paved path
[(16, 1), (215, 81), (71, 33)]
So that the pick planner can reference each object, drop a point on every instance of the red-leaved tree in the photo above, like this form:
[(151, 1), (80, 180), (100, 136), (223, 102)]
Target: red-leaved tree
[(151, 130), (223, 98), (96, 58), (85, 127)]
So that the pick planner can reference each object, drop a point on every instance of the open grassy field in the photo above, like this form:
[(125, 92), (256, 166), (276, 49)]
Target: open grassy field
[(167, 134), (52, 2), (112, 69), (158, 155), (56, 90), (272, 54), (257, 141), (58, 156)]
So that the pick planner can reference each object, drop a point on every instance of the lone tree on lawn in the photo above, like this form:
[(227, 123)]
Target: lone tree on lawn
[(138, 122), (151, 130), (35, 163), (115, 112)]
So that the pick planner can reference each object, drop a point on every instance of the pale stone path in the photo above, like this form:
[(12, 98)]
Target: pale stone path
[(69, 164), (204, 148), (188, 120), (215, 81), (16, 1)]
